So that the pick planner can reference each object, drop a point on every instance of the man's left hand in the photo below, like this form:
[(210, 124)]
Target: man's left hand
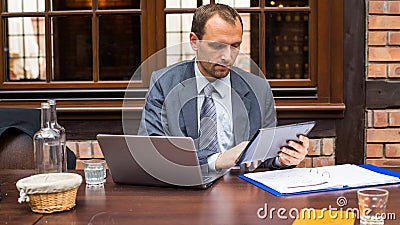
[(289, 157)]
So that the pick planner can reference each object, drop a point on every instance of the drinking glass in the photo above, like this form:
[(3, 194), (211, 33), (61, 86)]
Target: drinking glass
[(95, 171), (372, 205)]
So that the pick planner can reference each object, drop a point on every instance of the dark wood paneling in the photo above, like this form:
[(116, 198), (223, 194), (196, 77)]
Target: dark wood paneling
[(88, 129), (350, 130), (382, 94)]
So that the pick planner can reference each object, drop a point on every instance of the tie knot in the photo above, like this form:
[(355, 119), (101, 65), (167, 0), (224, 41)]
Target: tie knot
[(208, 90)]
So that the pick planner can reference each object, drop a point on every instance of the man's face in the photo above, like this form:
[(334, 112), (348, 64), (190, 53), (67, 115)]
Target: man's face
[(218, 48)]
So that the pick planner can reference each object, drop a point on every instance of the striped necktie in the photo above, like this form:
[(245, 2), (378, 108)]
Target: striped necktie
[(208, 139)]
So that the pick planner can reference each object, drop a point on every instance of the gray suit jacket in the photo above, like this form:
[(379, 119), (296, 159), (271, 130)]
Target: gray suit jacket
[(171, 105)]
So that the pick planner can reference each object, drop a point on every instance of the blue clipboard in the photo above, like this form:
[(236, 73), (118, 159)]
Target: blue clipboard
[(365, 166)]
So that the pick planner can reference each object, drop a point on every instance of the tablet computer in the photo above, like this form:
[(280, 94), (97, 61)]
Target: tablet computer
[(267, 142)]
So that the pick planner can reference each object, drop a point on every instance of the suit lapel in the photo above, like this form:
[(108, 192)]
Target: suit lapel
[(188, 102), (241, 105)]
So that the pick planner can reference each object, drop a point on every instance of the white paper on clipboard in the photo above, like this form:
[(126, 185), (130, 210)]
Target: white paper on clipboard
[(268, 141)]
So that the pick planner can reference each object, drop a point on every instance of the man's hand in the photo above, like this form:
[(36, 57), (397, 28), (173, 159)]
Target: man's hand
[(289, 157), (227, 159)]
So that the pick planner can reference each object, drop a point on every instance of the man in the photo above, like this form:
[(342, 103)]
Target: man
[(238, 103)]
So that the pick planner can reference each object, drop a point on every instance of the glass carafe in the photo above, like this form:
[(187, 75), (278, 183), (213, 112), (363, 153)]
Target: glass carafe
[(60, 130), (46, 143)]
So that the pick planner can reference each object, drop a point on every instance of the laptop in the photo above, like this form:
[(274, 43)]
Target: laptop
[(155, 161)]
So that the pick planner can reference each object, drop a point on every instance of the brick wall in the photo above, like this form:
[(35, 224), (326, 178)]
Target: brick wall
[(383, 137), (383, 40), (321, 152), (383, 59), (83, 150)]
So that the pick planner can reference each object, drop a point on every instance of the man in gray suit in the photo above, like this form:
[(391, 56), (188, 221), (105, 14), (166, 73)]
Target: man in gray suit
[(242, 102)]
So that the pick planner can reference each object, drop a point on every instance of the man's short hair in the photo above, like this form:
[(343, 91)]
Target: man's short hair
[(205, 12)]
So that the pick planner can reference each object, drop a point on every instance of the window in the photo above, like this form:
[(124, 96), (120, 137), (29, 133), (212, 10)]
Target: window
[(85, 54), (71, 40), (291, 41), (25, 42), (81, 52)]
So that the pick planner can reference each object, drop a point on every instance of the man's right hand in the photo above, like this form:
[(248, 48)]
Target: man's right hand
[(227, 159)]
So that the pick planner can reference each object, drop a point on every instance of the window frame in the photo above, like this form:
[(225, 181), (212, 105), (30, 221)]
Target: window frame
[(326, 66), (147, 47)]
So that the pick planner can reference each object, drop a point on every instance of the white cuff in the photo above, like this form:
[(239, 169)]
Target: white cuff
[(211, 162)]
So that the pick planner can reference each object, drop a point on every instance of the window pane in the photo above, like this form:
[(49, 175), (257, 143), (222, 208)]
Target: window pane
[(119, 4), (174, 22), (287, 45), (87, 4), (26, 48), (235, 3), (71, 4), (25, 5), (119, 46), (251, 31), (287, 3), (178, 29), (181, 4), (243, 60), (72, 41)]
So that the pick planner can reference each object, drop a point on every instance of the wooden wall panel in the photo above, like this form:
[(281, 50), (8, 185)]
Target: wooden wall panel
[(350, 130), (382, 94)]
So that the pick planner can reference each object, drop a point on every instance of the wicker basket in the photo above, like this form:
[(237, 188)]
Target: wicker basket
[(48, 193)]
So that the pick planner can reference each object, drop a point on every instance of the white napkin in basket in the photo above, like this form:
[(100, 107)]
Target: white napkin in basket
[(47, 183)]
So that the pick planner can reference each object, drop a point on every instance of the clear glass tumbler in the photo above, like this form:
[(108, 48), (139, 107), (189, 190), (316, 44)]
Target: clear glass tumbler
[(95, 171), (372, 205)]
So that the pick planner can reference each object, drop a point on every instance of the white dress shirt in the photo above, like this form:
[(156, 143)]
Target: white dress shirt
[(223, 105)]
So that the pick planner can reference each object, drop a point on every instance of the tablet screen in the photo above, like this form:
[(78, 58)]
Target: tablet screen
[(267, 142)]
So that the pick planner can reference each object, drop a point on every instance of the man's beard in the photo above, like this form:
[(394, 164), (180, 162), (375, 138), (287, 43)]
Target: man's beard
[(212, 71)]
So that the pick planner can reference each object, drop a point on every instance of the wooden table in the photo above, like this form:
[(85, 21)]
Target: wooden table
[(230, 200)]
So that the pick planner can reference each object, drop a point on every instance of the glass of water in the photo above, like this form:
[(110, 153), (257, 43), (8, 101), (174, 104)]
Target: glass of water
[(372, 205), (95, 171)]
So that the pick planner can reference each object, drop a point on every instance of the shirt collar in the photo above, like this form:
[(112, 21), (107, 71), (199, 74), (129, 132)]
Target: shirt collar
[(222, 85)]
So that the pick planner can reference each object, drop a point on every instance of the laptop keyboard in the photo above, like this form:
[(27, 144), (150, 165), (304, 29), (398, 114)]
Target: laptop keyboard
[(207, 178)]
